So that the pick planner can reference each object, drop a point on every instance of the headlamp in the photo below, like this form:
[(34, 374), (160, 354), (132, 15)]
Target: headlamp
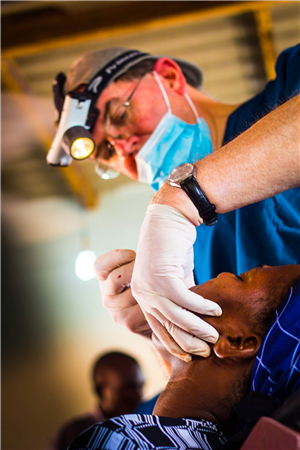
[(80, 142), (73, 139), (77, 113)]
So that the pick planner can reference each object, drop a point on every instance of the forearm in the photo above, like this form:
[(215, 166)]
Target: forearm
[(258, 164)]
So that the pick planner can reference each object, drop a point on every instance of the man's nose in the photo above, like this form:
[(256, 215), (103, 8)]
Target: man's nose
[(126, 147)]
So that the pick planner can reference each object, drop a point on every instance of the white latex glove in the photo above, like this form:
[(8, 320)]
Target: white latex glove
[(114, 272), (162, 274)]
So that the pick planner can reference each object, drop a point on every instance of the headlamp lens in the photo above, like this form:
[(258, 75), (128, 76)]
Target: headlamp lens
[(82, 148), (79, 142)]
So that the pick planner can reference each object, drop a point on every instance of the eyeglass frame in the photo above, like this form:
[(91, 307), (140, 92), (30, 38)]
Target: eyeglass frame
[(101, 171), (126, 104)]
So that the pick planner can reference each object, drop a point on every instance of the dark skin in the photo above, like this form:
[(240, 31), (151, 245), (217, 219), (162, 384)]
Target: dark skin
[(119, 389), (208, 388)]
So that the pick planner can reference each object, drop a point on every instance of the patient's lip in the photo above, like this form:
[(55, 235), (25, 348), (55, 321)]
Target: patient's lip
[(226, 274)]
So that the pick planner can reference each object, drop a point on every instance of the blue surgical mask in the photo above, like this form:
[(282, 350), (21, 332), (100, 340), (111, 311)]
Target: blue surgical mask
[(173, 142)]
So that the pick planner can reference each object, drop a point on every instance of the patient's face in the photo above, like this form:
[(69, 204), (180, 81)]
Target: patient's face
[(243, 297), (257, 285), (260, 283)]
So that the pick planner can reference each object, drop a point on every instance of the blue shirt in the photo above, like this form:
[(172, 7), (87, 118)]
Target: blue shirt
[(267, 232)]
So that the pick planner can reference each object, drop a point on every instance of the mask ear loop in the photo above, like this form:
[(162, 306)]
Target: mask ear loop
[(163, 91), (167, 101), (189, 100)]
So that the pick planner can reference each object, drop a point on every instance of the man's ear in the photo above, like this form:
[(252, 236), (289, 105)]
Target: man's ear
[(171, 72), (237, 347)]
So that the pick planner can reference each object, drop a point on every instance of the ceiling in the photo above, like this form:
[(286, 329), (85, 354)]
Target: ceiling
[(235, 43)]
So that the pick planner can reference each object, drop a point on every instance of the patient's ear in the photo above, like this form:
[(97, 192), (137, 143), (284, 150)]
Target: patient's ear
[(237, 347)]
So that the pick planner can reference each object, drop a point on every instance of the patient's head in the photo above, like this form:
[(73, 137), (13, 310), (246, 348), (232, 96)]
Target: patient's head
[(248, 302), (118, 381), (208, 387)]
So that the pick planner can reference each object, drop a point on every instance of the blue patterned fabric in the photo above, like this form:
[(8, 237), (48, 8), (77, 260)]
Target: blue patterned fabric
[(267, 232), (277, 366), (146, 432)]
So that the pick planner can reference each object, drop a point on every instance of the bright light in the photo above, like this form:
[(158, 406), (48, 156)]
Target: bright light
[(84, 265), (82, 148), (106, 173)]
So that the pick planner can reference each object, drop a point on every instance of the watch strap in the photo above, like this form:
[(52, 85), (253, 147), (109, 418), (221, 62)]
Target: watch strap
[(207, 211)]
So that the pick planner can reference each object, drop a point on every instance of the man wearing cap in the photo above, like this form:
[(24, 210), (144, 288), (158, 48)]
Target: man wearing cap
[(147, 118)]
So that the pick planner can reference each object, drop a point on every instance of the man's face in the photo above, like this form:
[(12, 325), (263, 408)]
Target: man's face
[(122, 391), (148, 106)]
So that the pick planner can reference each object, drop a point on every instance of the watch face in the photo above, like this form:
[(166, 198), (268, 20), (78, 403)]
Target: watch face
[(181, 172)]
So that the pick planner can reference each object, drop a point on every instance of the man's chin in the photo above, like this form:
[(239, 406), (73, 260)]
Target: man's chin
[(130, 168)]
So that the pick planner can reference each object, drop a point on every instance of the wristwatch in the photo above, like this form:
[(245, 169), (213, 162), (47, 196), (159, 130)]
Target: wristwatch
[(184, 177)]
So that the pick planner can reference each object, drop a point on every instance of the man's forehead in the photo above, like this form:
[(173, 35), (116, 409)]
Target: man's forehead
[(115, 90)]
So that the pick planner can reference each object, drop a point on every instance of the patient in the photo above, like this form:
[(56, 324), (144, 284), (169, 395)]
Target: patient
[(194, 409)]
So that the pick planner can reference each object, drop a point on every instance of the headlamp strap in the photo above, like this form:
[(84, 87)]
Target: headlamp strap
[(110, 71), (58, 93), (96, 85)]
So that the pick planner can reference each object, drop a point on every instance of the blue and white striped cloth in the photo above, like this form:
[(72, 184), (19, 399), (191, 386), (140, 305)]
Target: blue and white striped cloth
[(147, 432)]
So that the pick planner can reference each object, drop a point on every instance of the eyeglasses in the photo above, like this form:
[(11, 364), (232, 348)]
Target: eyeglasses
[(121, 120), (121, 117)]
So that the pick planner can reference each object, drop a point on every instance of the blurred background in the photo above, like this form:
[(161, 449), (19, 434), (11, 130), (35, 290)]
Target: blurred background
[(54, 324)]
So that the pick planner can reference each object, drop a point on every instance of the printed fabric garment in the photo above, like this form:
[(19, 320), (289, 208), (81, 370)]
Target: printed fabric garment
[(277, 366), (267, 232), (147, 432)]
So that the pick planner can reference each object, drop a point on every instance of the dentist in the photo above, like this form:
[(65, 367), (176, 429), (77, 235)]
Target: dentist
[(208, 161)]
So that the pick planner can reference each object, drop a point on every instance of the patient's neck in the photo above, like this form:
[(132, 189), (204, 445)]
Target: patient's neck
[(204, 389)]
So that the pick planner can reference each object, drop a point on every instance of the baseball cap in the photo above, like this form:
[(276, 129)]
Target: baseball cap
[(101, 67)]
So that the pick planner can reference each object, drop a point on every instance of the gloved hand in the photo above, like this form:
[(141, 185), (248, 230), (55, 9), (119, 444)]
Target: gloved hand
[(114, 272), (162, 274)]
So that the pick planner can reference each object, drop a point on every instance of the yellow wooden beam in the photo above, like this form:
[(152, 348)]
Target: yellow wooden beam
[(146, 25), (264, 29), (16, 82)]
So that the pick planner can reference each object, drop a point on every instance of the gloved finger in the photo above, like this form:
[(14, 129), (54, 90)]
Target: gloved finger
[(134, 319), (118, 302), (189, 280), (106, 263), (125, 311), (188, 342), (186, 320), (118, 280), (166, 339), (188, 299)]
